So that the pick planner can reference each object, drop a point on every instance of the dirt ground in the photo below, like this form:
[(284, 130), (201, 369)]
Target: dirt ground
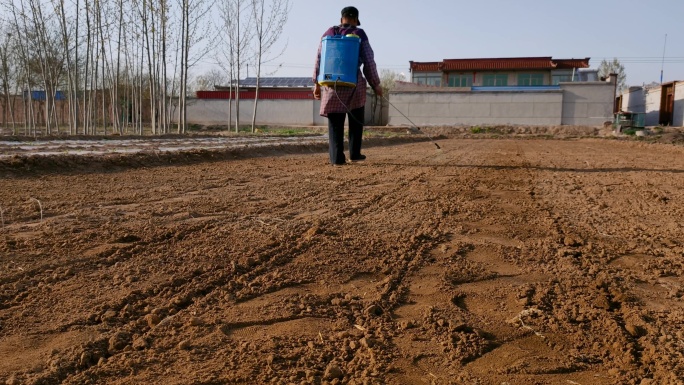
[(490, 261)]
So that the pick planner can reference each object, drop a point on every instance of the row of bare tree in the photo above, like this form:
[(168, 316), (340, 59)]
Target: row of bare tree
[(123, 66)]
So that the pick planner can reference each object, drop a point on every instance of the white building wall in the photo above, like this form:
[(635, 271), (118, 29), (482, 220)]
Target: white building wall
[(678, 114), (653, 97), (438, 108), (269, 112), (587, 103), (634, 100)]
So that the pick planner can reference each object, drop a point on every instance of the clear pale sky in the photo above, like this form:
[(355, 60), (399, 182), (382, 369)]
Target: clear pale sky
[(431, 30)]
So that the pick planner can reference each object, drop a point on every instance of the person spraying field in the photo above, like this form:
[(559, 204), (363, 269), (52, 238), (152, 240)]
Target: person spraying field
[(341, 87)]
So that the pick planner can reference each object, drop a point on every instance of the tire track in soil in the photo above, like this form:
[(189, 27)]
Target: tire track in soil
[(129, 302), (529, 349), (625, 322), (439, 295), (356, 211), (129, 322), (609, 303), (490, 274), (341, 300), (126, 300)]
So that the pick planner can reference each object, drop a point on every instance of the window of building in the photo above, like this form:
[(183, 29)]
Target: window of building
[(495, 80), (561, 76), (531, 79), (556, 79), (428, 78), (460, 80)]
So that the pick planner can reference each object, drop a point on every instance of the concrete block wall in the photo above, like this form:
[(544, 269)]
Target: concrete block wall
[(271, 112), (633, 101), (443, 107), (376, 111), (653, 106), (587, 103)]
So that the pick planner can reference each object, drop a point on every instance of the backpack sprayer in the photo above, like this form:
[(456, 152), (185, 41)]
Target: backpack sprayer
[(339, 60)]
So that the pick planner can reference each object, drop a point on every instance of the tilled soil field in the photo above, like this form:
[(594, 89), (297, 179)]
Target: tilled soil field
[(491, 261)]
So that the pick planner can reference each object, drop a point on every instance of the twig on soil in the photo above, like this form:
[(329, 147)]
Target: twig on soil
[(258, 219), (533, 331), (166, 320), (40, 206), (363, 329), (523, 313), (2, 217)]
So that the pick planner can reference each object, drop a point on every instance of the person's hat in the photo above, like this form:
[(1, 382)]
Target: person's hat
[(351, 12)]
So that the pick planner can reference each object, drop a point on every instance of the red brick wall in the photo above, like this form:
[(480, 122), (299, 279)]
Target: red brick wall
[(18, 112)]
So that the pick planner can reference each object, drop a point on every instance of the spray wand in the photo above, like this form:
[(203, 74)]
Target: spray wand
[(415, 128)]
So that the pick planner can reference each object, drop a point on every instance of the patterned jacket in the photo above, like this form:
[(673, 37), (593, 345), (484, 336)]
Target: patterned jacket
[(348, 98)]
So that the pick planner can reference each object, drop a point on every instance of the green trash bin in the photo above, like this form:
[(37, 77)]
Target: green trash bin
[(638, 120), (626, 119), (622, 120)]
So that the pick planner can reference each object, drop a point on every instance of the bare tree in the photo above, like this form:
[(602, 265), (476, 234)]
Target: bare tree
[(163, 30), (119, 64), (194, 46), (207, 81), (7, 78), (237, 38), (388, 79), (20, 27), (60, 10), (269, 19), (182, 110), (614, 67)]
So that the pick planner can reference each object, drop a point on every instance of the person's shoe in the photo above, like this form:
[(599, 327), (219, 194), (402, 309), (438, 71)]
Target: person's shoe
[(338, 164), (358, 158)]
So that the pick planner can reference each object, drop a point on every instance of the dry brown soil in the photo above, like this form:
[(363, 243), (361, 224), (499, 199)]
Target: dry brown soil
[(492, 261)]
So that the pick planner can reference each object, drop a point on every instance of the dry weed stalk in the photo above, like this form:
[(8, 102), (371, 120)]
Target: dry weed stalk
[(526, 312), (166, 320), (40, 206)]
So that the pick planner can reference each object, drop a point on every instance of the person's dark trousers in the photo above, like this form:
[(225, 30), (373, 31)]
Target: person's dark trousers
[(336, 135), (356, 132)]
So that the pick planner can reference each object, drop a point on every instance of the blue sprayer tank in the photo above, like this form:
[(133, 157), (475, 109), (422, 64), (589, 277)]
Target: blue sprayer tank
[(339, 61)]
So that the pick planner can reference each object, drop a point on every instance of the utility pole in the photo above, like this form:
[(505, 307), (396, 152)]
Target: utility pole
[(662, 66)]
